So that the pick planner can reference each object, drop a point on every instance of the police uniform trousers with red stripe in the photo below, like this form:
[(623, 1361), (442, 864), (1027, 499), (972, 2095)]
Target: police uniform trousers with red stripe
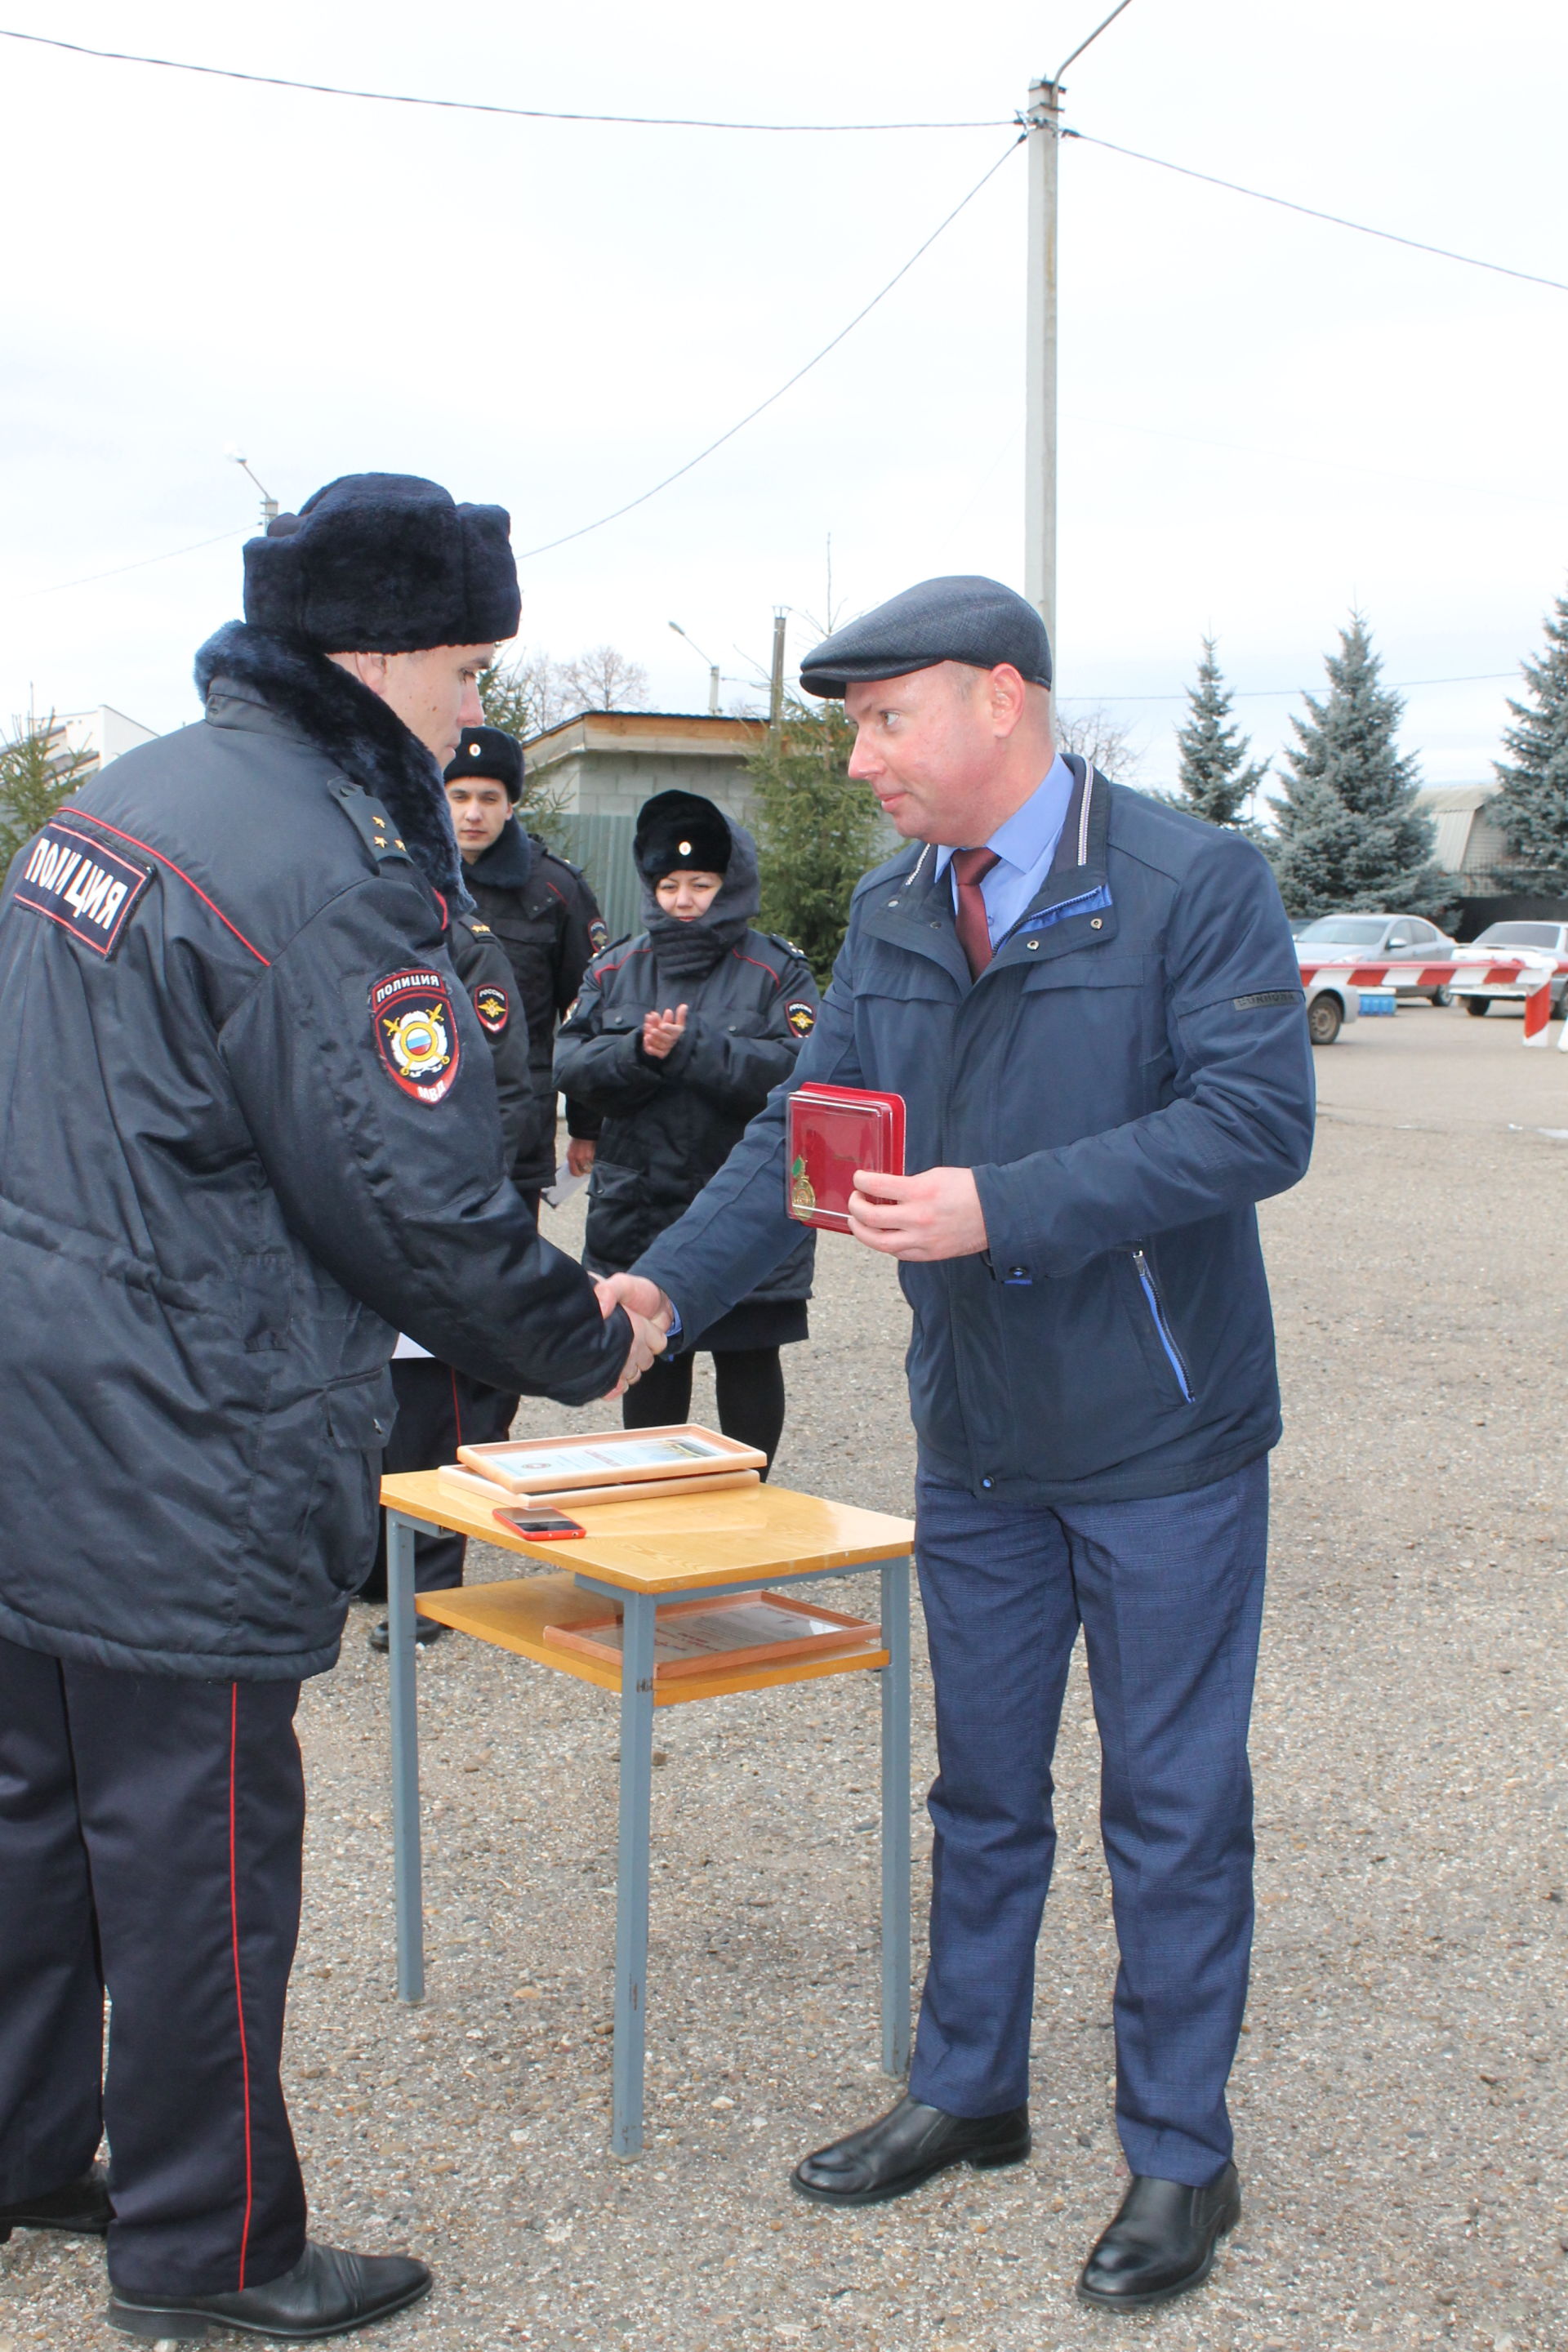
[(438, 1409), (150, 1833)]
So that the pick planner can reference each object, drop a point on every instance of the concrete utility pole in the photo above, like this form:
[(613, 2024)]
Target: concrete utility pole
[(775, 696), (1043, 121)]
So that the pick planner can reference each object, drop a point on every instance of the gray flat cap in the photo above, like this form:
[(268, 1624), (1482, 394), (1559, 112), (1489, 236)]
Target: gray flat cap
[(963, 618)]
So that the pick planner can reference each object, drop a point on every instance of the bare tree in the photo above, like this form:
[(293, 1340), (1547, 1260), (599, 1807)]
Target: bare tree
[(604, 679), (527, 696), (1088, 729)]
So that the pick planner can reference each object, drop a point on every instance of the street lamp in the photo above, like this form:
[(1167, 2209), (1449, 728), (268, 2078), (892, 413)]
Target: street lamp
[(712, 668), (268, 503)]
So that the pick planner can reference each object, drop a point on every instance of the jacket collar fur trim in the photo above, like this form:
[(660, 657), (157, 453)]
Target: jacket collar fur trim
[(508, 862), (358, 732)]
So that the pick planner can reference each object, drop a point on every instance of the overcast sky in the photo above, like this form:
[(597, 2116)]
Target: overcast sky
[(1265, 419)]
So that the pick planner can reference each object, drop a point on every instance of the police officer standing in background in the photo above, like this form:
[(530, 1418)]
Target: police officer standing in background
[(441, 1408), (249, 1133), (1092, 1008), (545, 915)]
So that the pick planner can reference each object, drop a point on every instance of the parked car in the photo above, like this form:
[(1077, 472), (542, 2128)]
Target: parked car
[(1330, 1002), (1369, 938), (1542, 948)]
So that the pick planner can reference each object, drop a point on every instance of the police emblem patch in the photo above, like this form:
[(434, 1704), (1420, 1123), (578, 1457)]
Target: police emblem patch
[(598, 935), (801, 1016), (80, 883), (415, 1033), (490, 1005)]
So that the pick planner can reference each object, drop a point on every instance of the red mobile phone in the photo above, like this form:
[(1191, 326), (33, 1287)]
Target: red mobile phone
[(540, 1521)]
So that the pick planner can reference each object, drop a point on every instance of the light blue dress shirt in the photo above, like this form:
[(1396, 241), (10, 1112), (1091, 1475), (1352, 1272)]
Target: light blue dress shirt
[(1025, 846)]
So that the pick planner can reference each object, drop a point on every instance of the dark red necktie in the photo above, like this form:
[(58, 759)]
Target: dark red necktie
[(970, 869)]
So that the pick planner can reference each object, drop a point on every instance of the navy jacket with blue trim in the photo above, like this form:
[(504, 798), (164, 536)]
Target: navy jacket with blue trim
[(1129, 1076)]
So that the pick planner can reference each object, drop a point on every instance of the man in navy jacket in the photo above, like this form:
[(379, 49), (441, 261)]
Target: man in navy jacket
[(1091, 1006)]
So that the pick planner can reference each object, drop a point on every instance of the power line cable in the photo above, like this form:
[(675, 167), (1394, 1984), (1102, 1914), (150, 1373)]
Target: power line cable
[(470, 105), (1336, 220), (701, 123), (644, 496), (141, 564)]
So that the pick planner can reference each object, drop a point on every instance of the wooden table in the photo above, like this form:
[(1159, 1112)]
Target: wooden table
[(638, 1555)]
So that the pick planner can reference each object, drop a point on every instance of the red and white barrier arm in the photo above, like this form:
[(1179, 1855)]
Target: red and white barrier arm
[(1461, 977)]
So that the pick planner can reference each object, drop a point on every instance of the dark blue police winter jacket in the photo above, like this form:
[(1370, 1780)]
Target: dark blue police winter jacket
[(1127, 1078), (247, 1132)]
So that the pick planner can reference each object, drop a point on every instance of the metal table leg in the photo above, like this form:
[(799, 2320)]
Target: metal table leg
[(408, 1877), (632, 1870), (894, 1679)]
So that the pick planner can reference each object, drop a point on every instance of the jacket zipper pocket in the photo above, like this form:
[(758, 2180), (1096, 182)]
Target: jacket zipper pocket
[(1162, 1329)]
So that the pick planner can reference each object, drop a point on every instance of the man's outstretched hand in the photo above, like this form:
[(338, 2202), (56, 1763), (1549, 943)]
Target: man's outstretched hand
[(648, 1346), (933, 1215), (638, 1294), (649, 1314)]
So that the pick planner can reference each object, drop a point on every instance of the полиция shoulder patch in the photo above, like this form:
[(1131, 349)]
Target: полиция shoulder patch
[(82, 883), (415, 1033)]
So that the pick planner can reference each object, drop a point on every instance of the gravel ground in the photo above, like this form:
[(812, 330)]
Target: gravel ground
[(1399, 2097)]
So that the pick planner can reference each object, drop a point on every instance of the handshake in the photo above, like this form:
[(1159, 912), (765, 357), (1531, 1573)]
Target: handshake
[(650, 1315)]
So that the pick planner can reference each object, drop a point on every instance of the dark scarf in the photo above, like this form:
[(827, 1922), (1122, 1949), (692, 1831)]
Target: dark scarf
[(690, 950), (358, 732)]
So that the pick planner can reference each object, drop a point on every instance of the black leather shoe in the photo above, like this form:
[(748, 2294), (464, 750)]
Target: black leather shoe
[(325, 2293), (81, 2206), (425, 1630), (908, 2145), (1162, 2241)]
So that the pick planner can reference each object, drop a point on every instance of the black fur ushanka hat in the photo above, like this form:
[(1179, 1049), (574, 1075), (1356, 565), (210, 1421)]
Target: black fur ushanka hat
[(489, 752), (384, 563), (680, 829)]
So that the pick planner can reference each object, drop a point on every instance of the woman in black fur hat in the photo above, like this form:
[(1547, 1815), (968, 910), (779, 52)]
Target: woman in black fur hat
[(678, 1038)]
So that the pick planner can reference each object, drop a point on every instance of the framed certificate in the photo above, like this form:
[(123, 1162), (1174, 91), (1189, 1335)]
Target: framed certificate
[(704, 1637), (830, 1131), (608, 1458)]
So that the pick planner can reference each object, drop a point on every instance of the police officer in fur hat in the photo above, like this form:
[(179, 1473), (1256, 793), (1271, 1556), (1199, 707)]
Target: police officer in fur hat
[(250, 1134), (680, 1035), (543, 910)]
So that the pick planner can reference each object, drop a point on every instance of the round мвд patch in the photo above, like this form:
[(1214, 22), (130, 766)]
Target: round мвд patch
[(415, 1033)]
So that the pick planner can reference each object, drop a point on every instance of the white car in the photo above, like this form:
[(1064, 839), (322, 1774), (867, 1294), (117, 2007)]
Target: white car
[(1541, 948), (1376, 939), (1330, 1002)]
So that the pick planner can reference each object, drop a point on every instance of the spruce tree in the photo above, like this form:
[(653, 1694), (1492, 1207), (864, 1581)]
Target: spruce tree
[(37, 770), (1350, 835), (1217, 780), (817, 830), (1532, 806)]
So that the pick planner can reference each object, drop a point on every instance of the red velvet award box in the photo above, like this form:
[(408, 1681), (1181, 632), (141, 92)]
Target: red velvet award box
[(831, 1131)]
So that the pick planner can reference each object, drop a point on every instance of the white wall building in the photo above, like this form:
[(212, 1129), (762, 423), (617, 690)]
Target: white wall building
[(102, 734)]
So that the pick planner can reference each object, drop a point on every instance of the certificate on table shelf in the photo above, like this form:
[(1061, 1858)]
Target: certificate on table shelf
[(543, 1465), (699, 1637)]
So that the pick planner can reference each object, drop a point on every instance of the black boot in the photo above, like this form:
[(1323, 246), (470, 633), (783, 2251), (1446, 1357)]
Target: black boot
[(905, 2147), (1162, 2241), (425, 1630), (81, 2206), (325, 2293)]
